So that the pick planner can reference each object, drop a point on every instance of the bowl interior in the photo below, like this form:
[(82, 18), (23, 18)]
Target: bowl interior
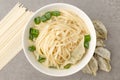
[(73, 69)]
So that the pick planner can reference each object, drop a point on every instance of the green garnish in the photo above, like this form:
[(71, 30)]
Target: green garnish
[(55, 13), (31, 37), (37, 20), (33, 33), (43, 18), (87, 38), (86, 41), (48, 15), (31, 48), (41, 59), (67, 66), (86, 45)]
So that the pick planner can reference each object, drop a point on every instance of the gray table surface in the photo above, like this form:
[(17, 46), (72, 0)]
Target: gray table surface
[(108, 11)]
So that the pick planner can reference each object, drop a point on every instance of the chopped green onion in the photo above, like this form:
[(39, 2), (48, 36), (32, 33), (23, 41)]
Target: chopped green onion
[(41, 59), (33, 33), (43, 18), (37, 20), (55, 13), (86, 41), (86, 45), (31, 48), (48, 15), (31, 37), (87, 38), (67, 66)]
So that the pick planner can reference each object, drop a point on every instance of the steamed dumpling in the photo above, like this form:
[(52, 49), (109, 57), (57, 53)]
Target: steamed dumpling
[(87, 69), (103, 64), (101, 31), (93, 65), (100, 43), (103, 52)]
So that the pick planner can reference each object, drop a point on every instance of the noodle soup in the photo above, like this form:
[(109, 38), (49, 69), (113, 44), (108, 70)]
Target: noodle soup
[(59, 39)]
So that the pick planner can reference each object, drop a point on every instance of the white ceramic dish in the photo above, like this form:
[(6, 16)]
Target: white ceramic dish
[(73, 69)]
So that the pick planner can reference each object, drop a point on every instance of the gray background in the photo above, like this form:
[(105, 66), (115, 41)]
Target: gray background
[(108, 11)]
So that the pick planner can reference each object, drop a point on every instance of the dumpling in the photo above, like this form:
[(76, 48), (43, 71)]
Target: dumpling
[(79, 51), (103, 52), (103, 64), (87, 69), (101, 31), (93, 65), (100, 43)]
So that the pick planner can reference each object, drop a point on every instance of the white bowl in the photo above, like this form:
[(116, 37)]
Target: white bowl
[(73, 69)]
